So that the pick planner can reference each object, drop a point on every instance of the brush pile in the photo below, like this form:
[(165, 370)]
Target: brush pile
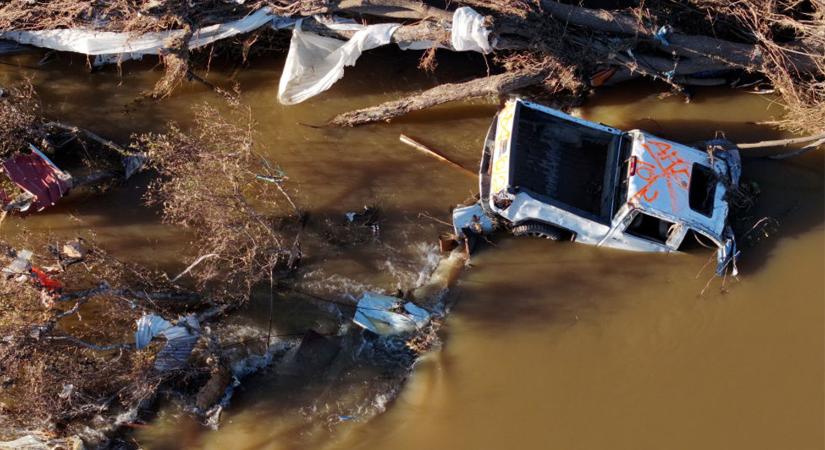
[(567, 48)]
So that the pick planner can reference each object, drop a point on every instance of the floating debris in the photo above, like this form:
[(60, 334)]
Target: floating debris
[(385, 315), (180, 339)]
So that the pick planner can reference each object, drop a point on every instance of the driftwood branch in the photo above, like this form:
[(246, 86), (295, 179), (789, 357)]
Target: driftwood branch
[(194, 264), (89, 345), (435, 154), (90, 135), (104, 288), (801, 151), (391, 9), (420, 31), (480, 87), (783, 142)]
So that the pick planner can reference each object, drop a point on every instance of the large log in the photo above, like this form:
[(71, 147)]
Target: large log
[(480, 87)]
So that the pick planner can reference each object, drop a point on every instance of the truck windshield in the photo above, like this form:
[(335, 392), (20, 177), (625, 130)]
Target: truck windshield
[(565, 162)]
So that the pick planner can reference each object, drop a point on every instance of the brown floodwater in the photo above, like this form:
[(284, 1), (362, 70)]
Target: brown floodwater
[(548, 346)]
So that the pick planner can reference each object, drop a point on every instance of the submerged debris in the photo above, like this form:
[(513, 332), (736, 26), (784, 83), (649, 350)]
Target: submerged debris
[(180, 339), (385, 315)]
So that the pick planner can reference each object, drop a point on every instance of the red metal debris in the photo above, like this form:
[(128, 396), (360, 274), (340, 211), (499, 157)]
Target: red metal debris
[(37, 175), (45, 281)]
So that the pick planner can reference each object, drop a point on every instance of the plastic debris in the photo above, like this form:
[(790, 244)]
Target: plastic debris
[(385, 315), (111, 47), (133, 164), (21, 265), (314, 63), (469, 32), (149, 326), (180, 339), (68, 390), (74, 249), (661, 34), (45, 281)]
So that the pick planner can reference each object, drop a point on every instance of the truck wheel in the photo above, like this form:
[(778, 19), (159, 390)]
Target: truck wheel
[(542, 230)]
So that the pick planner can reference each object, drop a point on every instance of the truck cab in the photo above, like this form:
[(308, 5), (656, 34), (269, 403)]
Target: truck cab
[(546, 173)]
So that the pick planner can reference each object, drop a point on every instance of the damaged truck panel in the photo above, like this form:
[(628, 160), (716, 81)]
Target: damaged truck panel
[(546, 173)]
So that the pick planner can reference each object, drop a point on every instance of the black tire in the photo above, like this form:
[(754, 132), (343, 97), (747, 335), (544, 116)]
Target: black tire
[(542, 230)]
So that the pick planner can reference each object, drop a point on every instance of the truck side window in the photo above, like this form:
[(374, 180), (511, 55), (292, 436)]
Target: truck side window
[(649, 227), (702, 189)]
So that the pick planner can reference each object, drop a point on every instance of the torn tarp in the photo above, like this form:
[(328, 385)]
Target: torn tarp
[(180, 339), (314, 63), (41, 180), (384, 315), (113, 47)]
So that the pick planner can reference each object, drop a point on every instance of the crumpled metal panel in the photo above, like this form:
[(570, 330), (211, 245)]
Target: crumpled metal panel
[(373, 313), (36, 174), (180, 339), (471, 217)]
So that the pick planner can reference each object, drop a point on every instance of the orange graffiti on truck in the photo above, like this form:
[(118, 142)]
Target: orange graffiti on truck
[(667, 167)]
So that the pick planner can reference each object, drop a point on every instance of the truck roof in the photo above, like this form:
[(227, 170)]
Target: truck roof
[(678, 182)]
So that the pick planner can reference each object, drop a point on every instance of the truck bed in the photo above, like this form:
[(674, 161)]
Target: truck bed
[(563, 161)]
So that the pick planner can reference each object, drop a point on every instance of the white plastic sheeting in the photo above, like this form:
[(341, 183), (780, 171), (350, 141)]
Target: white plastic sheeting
[(21, 265), (113, 46), (469, 32), (315, 62)]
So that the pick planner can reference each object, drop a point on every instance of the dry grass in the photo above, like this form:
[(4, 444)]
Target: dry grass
[(20, 118), (790, 35), (209, 185), (119, 15), (50, 380)]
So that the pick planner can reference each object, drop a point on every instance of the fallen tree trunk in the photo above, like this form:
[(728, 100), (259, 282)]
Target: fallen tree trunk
[(632, 45), (480, 87)]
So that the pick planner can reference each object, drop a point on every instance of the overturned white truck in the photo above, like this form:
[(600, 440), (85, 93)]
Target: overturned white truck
[(545, 173)]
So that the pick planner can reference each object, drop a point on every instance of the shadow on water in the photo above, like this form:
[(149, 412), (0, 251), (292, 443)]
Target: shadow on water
[(528, 282)]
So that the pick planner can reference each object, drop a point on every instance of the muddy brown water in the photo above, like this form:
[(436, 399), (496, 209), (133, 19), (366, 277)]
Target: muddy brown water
[(549, 345)]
